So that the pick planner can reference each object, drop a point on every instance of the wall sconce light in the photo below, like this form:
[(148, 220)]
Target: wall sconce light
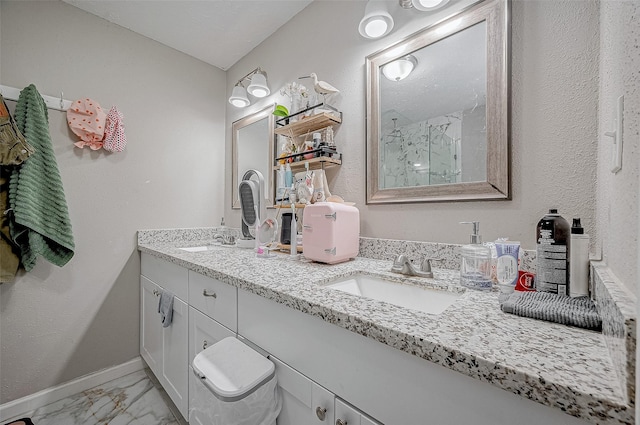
[(400, 69), (257, 87), (377, 22), (428, 5)]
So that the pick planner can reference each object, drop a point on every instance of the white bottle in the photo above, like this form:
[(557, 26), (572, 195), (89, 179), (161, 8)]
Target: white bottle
[(288, 177), (475, 265), (280, 186), (579, 261)]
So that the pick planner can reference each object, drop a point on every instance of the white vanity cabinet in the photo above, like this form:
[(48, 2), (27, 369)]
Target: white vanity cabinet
[(327, 374), (165, 349), (390, 385)]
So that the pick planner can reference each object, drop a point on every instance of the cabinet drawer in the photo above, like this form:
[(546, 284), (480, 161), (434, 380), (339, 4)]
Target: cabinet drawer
[(204, 332), (167, 275), (214, 298)]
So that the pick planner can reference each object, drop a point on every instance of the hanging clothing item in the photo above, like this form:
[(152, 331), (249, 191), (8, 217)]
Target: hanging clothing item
[(114, 137), (14, 149), (87, 120), (9, 251), (40, 223)]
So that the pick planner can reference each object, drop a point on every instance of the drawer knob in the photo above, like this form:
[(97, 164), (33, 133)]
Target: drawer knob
[(205, 344), (341, 422), (321, 413), (209, 294)]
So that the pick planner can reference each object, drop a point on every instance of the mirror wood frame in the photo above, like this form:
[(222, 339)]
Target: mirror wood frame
[(497, 186), (266, 113)]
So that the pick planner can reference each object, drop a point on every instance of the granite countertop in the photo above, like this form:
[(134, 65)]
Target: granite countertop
[(556, 365)]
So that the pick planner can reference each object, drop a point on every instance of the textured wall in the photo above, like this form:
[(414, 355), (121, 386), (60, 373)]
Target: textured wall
[(618, 193), (60, 323), (554, 115)]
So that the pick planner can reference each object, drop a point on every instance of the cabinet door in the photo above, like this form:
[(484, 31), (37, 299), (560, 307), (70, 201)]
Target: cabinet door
[(175, 356), (295, 390), (204, 332), (322, 405), (345, 414), (150, 325)]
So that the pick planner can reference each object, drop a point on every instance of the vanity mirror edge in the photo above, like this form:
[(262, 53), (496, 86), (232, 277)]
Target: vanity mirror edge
[(266, 168), (497, 186)]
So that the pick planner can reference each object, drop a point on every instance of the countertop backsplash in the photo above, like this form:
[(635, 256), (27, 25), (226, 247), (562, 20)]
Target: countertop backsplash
[(447, 255)]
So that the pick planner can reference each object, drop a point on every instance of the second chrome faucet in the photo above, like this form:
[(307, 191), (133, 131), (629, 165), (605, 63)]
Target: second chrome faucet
[(403, 265)]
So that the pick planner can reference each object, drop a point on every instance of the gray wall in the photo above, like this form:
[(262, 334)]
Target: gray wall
[(554, 114), (617, 211), (60, 323)]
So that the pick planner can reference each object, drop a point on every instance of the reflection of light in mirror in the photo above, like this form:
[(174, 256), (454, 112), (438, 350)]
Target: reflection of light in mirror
[(450, 27), (399, 69)]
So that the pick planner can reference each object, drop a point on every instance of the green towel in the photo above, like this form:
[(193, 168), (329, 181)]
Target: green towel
[(40, 222)]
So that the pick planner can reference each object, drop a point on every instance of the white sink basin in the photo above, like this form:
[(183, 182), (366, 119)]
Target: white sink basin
[(432, 301)]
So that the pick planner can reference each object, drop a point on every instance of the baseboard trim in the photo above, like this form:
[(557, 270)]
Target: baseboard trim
[(33, 401)]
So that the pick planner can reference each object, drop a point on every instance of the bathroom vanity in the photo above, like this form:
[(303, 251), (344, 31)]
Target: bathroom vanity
[(345, 359)]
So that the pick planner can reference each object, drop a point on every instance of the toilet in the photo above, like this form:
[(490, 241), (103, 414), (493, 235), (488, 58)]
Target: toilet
[(243, 382)]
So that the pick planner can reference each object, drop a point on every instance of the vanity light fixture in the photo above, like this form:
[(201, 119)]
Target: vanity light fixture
[(400, 69), (428, 5), (257, 87), (239, 97), (377, 22)]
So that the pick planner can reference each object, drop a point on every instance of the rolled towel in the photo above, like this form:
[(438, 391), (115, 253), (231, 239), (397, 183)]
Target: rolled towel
[(580, 312), (165, 308)]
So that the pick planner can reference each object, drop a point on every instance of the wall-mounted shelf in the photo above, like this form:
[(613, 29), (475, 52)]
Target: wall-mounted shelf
[(309, 124), (319, 163)]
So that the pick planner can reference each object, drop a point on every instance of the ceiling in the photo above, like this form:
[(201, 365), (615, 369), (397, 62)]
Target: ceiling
[(218, 32)]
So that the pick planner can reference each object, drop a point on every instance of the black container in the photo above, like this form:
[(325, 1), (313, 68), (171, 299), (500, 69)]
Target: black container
[(552, 252), (285, 229)]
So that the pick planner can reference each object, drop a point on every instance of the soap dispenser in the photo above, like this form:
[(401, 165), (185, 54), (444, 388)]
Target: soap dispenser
[(475, 266)]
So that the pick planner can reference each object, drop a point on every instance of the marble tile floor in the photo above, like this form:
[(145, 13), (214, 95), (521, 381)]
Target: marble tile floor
[(134, 399)]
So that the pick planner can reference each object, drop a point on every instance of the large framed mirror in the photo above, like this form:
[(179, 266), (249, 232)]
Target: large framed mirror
[(252, 148), (441, 132)]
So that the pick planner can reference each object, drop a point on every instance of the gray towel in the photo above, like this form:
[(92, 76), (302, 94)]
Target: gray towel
[(165, 307), (580, 312)]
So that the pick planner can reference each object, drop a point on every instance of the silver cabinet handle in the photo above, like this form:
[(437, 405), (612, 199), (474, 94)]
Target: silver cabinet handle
[(207, 294), (156, 292), (341, 422), (205, 344), (321, 413)]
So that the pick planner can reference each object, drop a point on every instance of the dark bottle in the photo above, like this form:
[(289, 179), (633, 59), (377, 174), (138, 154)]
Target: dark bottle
[(552, 248)]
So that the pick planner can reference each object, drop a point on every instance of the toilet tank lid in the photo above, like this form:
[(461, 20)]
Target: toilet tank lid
[(232, 369)]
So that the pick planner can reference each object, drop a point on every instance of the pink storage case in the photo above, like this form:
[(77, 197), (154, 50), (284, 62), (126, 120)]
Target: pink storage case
[(330, 232)]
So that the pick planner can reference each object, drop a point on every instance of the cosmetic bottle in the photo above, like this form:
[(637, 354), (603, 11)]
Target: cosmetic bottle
[(552, 254), (579, 261), (288, 177), (475, 266), (280, 186)]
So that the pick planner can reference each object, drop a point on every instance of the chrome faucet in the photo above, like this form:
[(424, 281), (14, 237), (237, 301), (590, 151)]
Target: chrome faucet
[(403, 265)]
